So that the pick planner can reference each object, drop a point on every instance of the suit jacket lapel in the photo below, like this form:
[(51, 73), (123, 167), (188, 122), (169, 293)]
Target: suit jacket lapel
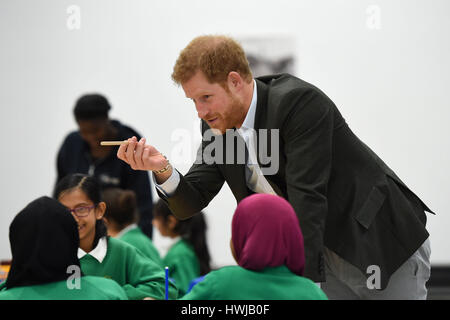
[(262, 121), (235, 173), (260, 114)]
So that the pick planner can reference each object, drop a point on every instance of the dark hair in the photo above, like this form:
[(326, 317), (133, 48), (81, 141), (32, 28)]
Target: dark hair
[(44, 242), (91, 187), (91, 106), (121, 206), (193, 230)]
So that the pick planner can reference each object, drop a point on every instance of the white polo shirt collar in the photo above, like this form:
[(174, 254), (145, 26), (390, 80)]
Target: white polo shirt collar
[(99, 252)]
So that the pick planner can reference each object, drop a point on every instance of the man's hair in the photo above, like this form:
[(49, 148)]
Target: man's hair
[(91, 107), (215, 56)]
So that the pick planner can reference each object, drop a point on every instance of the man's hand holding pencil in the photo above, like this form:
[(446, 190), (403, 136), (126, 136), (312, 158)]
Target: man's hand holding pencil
[(141, 156)]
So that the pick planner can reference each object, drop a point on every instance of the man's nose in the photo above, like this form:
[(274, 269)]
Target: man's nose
[(202, 111)]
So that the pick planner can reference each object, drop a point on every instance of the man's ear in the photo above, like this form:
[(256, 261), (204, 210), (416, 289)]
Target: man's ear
[(234, 81)]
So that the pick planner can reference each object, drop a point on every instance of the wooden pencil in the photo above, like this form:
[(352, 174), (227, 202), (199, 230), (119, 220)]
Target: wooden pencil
[(113, 143)]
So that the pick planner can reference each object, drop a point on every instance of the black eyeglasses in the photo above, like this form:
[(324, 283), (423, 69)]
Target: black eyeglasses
[(82, 212)]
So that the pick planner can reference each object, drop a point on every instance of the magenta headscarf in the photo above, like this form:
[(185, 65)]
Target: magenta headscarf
[(266, 233)]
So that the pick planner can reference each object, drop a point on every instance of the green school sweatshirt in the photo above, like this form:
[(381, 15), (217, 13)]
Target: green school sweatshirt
[(237, 283), (183, 265), (139, 276), (91, 288), (138, 239)]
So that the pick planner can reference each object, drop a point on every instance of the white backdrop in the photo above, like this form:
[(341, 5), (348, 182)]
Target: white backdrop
[(384, 63)]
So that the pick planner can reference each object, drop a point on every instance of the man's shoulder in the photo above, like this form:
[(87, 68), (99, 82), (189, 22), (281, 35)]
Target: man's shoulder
[(285, 83), (286, 96)]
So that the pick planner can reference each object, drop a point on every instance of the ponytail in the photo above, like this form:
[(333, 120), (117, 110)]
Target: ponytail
[(196, 236)]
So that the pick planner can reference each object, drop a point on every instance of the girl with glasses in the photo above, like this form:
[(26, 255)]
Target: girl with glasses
[(104, 256)]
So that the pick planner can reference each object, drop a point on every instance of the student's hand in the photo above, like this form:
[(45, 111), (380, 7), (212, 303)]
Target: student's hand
[(141, 156)]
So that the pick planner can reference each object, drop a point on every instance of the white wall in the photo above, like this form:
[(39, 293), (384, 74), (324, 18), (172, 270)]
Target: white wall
[(391, 84)]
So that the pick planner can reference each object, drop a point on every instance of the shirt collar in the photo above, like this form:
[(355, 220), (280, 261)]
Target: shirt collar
[(249, 121), (99, 252), (126, 229)]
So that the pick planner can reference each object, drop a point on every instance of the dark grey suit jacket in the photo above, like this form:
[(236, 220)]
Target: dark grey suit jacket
[(345, 196)]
